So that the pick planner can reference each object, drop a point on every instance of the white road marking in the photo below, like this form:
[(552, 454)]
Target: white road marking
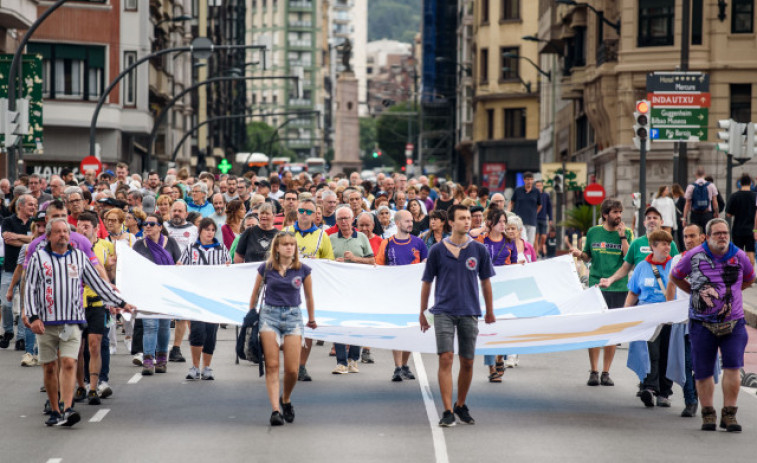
[(135, 379), (750, 391), (99, 415), (440, 445), (54, 460)]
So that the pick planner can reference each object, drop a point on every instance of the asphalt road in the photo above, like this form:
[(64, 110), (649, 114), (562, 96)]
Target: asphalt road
[(542, 412)]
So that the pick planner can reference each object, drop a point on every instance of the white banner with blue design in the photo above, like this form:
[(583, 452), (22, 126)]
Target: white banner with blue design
[(540, 307)]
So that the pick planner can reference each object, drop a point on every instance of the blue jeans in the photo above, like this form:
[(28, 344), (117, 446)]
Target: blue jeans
[(157, 331), (689, 389), (489, 360), (30, 339), (341, 353), (5, 282)]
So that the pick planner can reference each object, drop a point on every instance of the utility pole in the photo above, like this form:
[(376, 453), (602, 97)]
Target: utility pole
[(683, 164)]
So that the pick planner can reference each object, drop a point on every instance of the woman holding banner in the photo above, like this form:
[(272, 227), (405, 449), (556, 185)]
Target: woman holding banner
[(282, 277)]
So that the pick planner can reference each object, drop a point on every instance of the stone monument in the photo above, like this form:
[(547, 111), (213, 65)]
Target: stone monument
[(346, 123)]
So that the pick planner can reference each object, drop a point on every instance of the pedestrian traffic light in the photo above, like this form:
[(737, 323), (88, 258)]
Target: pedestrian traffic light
[(730, 138), (751, 143), (641, 124)]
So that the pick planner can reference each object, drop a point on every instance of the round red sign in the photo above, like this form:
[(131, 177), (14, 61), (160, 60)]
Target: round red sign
[(90, 162), (594, 194)]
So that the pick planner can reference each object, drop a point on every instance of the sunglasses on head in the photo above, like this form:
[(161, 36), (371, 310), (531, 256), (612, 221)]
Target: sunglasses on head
[(305, 211), (286, 233)]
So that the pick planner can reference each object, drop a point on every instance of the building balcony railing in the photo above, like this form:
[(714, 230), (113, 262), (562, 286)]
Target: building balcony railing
[(304, 24), (300, 102), (300, 143), (301, 123), (300, 44), (300, 64), (607, 51), (297, 6)]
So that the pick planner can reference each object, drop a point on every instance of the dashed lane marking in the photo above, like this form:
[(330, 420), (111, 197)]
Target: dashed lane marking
[(99, 415), (135, 379)]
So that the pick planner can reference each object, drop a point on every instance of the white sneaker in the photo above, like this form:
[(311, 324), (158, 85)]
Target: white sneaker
[(28, 360), (112, 349), (340, 369), (207, 374), (137, 360), (512, 361), (194, 374), (104, 390), (352, 366), (127, 343)]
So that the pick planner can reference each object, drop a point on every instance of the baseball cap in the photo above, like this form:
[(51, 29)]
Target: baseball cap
[(39, 217), (651, 209), (263, 183), (148, 204)]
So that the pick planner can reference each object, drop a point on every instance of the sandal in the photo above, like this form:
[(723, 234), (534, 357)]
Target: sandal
[(495, 378), (500, 368)]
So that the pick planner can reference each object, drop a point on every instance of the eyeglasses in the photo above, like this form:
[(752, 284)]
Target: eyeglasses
[(305, 211), (74, 201), (151, 224), (343, 218)]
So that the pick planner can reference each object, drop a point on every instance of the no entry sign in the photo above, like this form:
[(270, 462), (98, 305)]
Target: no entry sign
[(594, 194), (90, 162)]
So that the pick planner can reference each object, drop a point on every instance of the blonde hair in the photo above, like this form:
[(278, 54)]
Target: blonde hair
[(162, 199), (272, 263), (119, 213)]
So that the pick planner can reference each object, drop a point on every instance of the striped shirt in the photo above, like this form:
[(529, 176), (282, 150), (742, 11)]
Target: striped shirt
[(197, 254), (53, 286)]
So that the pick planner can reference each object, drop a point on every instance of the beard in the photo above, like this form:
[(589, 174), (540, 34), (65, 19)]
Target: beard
[(177, 221)]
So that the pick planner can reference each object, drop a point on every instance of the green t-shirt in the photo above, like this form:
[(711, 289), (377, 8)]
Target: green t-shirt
[(640, 249), (604, 247)]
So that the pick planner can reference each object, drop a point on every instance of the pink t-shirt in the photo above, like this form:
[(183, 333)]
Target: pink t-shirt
[(711, 188)]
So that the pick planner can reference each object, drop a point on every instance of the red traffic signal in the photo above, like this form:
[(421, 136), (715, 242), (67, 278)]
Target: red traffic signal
[(642, 106)]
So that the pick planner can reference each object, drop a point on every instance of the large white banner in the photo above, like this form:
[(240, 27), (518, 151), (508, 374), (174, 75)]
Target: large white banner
[(540, 307)]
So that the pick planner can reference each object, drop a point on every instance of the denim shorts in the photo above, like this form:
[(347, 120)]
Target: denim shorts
[(284, 321), (467, 332), (542, 227), (705, 346)]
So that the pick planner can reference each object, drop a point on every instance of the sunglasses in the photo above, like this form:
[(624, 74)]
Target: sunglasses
[(286, 233), (151, 224), (305, 211)]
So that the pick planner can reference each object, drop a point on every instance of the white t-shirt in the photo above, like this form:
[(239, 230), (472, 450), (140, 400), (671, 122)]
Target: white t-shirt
[(667, 208), (184, 235)]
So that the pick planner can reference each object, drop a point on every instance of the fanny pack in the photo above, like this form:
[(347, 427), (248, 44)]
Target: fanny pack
[(720, 328)]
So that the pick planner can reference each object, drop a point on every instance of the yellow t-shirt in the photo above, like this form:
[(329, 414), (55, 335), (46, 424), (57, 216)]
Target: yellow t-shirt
[(315, 245), (103, 249)]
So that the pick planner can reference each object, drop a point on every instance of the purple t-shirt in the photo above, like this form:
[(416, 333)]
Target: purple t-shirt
[(502, 251), (78, 241), (715, 282), (284, 291), (395, 252), (456, 289)]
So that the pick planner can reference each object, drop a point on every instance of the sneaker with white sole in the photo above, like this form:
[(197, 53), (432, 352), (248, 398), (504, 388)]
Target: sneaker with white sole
[(207, 374), (194, 373), (448, 419), (367, 357), (340, 369), (28, 360), (137, 359), (127, 343), (512, 361), (104, 390), (352, 366)]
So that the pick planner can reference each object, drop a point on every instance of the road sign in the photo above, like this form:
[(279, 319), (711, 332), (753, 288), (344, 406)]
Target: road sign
[(90, 162), (32, 66), (677, 100), (678, 82), (594, 194), (409, 150), (678, 134), (672, 117)]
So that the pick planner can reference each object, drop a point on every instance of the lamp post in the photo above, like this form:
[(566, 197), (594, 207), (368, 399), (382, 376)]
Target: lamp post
[(201, 46), (547, 74), (614, 25), (16, 70)]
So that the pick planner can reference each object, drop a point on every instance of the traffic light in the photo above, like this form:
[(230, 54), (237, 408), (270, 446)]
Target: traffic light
[(641, 124), (376, 153), (730, 138), (751, 144)]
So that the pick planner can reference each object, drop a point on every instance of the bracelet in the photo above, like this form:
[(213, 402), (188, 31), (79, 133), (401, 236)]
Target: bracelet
[(623, 237)]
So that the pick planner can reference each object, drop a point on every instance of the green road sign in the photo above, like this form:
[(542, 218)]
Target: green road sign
[(679, 134), (32, 90), (676, 117), (224, 166)]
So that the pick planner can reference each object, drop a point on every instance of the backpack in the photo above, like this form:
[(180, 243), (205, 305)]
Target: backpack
[(700, 198)]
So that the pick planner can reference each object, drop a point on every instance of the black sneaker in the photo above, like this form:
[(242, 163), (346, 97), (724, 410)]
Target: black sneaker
[(287, 410), (175, 355), (406, 373), (80, 394), (605, 379), (70, 418), (20, 345), (448, 419), (593, 379), (277, 419), (53, 419), (5, 340), (647, 397), (397, 376), (690, 411), (462, 413), (303, 375), (93, 398)]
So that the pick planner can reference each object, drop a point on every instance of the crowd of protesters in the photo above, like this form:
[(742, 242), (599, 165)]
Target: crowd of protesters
[(282, 220)]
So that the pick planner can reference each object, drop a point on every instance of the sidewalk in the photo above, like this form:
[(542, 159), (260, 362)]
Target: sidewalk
[(750, 313)]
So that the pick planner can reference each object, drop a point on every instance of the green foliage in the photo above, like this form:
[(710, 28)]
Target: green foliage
[(391, 132), (368, 137), (580, 217), (394, 19), (259, 137)]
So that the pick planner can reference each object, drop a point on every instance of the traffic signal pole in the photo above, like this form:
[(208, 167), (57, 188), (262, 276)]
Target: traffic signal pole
[(642, 183), (681, 173)]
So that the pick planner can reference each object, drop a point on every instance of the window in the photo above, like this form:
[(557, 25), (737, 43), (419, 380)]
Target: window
[(510, 9), (484, 11), (73, 72), (484, 66), (130, 81), (489, 124), (656, 23), (510, 69), (696, 22), (131, 5), (741, 102), (515, 123), (742, 17)]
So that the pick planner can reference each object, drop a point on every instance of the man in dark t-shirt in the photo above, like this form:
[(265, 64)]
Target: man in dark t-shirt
[(742, 206), (16, 232), (526, 204)]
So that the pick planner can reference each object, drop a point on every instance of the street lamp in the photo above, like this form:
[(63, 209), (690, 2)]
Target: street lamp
[(533, 38), (601, 15), (547, 74)]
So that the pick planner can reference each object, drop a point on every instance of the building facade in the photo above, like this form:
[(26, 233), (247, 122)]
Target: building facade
[(391, 70)]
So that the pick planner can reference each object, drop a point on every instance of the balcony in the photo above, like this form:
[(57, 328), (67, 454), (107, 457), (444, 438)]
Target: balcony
[(300, 102), (300, 6), (301, 123), (607, 52), (17, 14), (300, 64), (299, 143), (304, 24), (300, 44)]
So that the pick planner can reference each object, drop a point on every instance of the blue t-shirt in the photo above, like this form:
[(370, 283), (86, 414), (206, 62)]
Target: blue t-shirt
[(456, 290), (644, 283), (525, 204), (284, 291), (330, 220)]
